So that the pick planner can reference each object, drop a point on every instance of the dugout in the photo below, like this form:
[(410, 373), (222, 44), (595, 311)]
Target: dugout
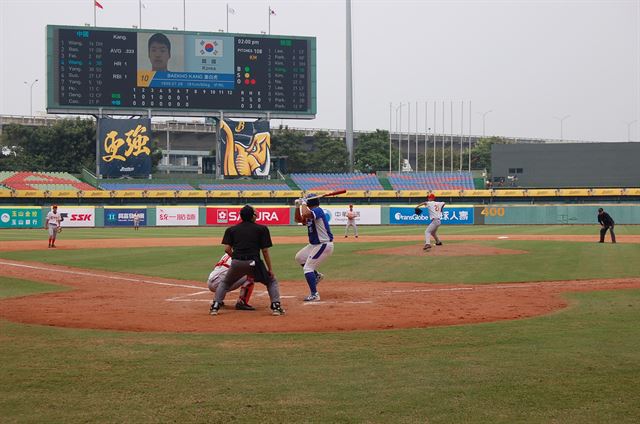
[(558, 165)]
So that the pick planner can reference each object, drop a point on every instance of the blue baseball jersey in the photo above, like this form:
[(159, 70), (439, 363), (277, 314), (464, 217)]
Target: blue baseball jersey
[(318, 227)]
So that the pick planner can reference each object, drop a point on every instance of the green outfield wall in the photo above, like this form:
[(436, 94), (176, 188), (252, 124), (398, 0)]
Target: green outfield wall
[(556, 214)]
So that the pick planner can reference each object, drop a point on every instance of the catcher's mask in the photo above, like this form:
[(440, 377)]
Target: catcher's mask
[(431, 196), (312, 202)]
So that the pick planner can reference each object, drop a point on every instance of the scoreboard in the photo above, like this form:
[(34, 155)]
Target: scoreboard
[(174, 73)]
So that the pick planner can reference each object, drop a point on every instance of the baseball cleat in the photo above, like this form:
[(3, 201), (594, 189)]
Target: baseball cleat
[(426, 247), (314, 297), (215, 309), (439, 243), (242, 306), (276, 309)]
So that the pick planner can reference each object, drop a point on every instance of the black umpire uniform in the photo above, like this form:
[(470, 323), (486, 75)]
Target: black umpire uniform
[(606, 223), (244, 242)]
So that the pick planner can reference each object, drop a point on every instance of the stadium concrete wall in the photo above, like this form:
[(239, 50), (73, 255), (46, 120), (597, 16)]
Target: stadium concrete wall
[(554, 165)]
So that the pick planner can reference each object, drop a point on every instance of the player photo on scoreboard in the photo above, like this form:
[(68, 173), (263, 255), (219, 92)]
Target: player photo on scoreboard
[(167, 60)]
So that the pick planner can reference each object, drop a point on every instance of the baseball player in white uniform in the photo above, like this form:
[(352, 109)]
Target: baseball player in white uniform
[(351, 222), (320, 247), (52, 223), (435, 213), (245, 283)]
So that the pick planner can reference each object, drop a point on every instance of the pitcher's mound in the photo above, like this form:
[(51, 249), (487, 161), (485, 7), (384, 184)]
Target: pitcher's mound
[(447, 249)]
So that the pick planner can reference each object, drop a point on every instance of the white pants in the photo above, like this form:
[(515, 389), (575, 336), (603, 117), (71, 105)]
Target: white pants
[(431, 231), (351, 223), (53, 230), (312, 255)]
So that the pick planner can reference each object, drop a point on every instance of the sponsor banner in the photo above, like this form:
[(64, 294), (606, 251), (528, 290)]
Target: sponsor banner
[(176, 215), (76, 216), (450, 215), (246, 147), (21, 217), (273, 215), (123, 217), (365, 215), (125, 147)]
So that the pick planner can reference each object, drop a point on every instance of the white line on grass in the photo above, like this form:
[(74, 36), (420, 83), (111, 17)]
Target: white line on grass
[(111, 277), (501, 287)]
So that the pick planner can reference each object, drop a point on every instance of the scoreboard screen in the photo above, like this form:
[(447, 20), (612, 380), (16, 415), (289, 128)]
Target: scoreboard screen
[(174, 73)]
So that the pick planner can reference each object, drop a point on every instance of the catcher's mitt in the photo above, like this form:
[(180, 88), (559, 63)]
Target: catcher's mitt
[(418, 211)]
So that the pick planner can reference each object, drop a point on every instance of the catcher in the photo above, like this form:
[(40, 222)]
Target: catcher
[(245, 284), (435, 213)]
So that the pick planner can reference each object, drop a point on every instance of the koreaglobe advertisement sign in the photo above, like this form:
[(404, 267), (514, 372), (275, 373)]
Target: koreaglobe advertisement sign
[(365, 215), (123, 217), (405, 215), (77, 216), (177, 215), (21, 217), (267, 215)]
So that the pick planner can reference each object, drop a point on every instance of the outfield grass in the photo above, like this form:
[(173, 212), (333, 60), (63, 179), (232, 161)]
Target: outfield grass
[(578, 365), (216, 232)]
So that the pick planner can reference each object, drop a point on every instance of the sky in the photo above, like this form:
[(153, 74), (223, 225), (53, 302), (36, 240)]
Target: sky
[(529, 68)]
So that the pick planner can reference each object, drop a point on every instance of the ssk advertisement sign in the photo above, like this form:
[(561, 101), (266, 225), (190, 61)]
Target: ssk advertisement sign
[(123, 217), (77, 216), (450, 215), (125, 147), (231, 215)]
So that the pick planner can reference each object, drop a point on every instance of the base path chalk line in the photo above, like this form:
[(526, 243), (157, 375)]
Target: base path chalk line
[(111, 277)]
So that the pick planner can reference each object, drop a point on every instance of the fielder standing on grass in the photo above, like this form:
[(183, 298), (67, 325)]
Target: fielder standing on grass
[(244, 242), (435, 213), (320, 247), (52, 223), (351, 222)]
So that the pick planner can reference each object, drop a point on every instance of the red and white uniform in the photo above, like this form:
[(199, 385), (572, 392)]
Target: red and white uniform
[(351, 222), (53, 222), (220, 271), (435, 213)]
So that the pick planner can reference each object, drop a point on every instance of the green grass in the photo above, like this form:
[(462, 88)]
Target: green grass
[(544, 260), (155, 232), (577, 365)]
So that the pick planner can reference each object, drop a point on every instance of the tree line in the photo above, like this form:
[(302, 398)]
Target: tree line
[(69, 146)]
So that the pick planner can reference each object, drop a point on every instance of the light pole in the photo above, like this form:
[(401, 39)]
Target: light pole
[(629, 128), (484, 114), (561, 119), (31, 95)]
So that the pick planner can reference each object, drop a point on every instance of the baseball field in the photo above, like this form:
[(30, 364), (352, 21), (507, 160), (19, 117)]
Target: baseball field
[(501, 324)]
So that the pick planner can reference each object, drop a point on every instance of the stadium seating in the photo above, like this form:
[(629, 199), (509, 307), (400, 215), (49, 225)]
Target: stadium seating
[(142, 187), (431, 180), (42, 181), (328, 182), (275, 186)]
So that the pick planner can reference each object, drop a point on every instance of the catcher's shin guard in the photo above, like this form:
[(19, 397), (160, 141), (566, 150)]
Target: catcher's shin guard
[(246, 291)]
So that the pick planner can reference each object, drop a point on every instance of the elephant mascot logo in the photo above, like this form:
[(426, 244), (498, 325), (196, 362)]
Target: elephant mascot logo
[(246, 147)]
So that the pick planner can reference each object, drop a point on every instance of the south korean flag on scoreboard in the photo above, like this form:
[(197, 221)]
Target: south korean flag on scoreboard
[(207, 47)]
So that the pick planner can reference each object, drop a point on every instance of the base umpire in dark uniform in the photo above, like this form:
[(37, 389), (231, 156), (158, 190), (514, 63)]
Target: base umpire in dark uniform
[(606, 223), (244, 242)]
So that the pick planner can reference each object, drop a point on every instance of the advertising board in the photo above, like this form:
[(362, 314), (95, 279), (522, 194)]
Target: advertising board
[(267, 215), (177, 216), (405, 215)]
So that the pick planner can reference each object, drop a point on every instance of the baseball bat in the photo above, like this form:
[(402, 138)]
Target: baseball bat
[(333, 193)]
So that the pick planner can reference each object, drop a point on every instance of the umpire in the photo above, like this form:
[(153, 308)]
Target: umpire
[(243, 242), (606, 223)]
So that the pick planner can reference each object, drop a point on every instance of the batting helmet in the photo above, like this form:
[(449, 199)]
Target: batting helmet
[(312, 200), (432, 196)]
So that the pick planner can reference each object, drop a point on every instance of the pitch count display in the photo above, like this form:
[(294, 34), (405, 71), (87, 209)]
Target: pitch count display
[(179, 73)]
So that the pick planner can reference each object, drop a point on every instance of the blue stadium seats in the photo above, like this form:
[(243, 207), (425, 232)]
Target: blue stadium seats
[(457, 180), (275, 186), (119, 186), (328, 182)]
